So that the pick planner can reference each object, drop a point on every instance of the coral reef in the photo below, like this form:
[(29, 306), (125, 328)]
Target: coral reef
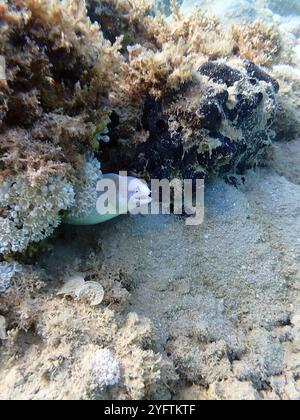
[(182, 110), (30, 212), (59, 69), (181, 44)]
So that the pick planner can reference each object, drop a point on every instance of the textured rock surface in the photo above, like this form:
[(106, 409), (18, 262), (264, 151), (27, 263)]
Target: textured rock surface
[(219, 122)]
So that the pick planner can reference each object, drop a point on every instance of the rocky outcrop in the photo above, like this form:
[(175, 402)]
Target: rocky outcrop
[(219, 122)]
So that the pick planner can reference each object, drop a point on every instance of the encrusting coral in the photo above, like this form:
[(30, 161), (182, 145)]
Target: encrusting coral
[(31, 211), (7, 271)]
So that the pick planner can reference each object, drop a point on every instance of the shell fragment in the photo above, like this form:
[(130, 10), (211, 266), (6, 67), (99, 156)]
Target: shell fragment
[(88, 291), (3, 335), (71, 285), (92, 292)]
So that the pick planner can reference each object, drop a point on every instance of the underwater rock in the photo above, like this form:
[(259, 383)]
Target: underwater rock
[(30, 211), (218, 122)]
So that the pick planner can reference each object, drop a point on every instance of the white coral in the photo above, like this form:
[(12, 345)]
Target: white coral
[(105, 369), (30, 213), (86, 195), (7, 271)]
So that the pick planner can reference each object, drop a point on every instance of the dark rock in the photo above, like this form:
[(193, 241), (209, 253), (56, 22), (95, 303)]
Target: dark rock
[(220, 73), (220, 123), (256, 73)]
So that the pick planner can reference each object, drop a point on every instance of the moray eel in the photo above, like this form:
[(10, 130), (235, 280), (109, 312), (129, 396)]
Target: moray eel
[(137, 194)]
